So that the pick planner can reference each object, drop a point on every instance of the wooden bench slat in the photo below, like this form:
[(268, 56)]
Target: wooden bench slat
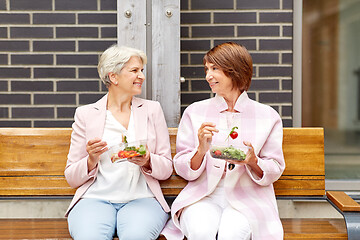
[(299, 193), (34, 229), (33, 152), (47, 154), (171, 191), (57, 185), (308, 185), (305, 148), (300, 228), (172, 134), (289, 177), (174, 180), (35, 186), (57, 229)]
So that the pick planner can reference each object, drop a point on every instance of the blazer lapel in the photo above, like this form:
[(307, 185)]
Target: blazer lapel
[(97, 117), (140, 111)]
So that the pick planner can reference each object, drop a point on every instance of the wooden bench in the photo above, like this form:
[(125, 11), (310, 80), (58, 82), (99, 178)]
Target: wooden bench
[(32, 162)]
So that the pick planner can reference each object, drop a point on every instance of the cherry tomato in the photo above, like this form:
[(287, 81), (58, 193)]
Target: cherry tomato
[(234, 135), (217, 152), (122, 154)]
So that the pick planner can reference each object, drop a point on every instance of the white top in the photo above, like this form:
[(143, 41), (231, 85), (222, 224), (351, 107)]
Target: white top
[(118, 182)]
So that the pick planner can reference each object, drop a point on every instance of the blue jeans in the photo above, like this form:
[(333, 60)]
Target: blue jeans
[(99, 219)]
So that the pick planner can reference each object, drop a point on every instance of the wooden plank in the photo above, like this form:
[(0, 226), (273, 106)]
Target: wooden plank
[(172, 134), (133, 22), (300, 184), (304, 174), (304, 151), (35, 186), (34, 151), (314, 229), (57, 229), (317, 228), (34, 131), (51, 185), (343, 201), (300, 192), (165, 61), (299, 187), (34, 229), (41, 153), (130, 27), (284, 177), (173, 182)]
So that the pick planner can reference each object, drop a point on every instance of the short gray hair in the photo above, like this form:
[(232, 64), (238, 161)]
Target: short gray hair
[(114, 58)]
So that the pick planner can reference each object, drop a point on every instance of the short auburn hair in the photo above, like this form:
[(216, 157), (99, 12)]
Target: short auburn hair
[(235, 61)]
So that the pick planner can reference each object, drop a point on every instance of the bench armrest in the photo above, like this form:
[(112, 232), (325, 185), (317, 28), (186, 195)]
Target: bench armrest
[(343, 201), (349, 209)]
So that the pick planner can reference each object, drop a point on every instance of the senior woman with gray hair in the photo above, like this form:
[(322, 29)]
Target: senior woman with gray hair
[(125, 198)]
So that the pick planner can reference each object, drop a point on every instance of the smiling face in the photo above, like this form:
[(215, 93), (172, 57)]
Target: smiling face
[(218, 81), (235, 61), (130, 78)]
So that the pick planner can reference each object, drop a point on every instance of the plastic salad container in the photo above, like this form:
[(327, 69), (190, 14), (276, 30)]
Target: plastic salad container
[(123, 151), (228, 152)]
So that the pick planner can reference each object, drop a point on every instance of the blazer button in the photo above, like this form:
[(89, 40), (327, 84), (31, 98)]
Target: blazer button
[(231, 166)]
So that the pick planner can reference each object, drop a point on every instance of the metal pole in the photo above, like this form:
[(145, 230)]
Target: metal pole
[(297, 63)]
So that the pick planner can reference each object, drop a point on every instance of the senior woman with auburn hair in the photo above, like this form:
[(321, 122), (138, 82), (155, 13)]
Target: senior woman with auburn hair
[(227, 198), (118, 198)]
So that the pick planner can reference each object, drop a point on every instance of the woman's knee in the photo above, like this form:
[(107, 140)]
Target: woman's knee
[(92, 219), (92, 234), (240, 234), (200, 220), (201, 233), (137, 233), (234, 225), (141, 219), (142, 230)]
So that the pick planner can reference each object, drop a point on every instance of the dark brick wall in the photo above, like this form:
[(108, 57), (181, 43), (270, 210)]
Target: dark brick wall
[(264, 27), (49, 51)]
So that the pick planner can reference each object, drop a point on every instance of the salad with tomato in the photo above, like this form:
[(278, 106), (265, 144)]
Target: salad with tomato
[(127, 150), (228, 152)]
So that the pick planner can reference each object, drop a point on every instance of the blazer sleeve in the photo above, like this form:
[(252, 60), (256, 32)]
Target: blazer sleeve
[(160, 159), (186, 147), (270, 157), (76, 170)]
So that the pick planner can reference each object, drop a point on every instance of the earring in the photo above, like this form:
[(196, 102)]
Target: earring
[(115, 83)]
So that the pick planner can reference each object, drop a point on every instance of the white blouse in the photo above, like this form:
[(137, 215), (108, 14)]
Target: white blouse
[(118, 182)]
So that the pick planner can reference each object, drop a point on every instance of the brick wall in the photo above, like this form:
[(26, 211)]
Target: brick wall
[(264, 27), (49, 51)]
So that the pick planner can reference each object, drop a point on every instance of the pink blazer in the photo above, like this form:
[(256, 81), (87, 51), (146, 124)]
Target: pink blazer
[(253, 196), (149, 124)]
